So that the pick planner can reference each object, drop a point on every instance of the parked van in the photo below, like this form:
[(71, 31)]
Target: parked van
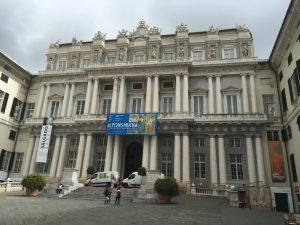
[(134, 180), (103, 178)]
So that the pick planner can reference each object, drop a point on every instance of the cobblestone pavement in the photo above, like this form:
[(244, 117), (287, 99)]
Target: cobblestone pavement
[(18, 209)]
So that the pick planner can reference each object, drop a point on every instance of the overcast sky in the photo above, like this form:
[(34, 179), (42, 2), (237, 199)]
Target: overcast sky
[(27, 27)]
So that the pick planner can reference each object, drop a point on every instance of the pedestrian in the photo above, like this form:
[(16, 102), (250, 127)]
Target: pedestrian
[(59, 188), (107, 194), (118, 196)]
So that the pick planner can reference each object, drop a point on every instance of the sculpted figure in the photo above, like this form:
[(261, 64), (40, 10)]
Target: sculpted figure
[(245, 50), (50, 64)]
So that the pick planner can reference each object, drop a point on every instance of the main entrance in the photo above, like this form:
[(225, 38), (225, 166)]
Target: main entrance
[(133, 158)]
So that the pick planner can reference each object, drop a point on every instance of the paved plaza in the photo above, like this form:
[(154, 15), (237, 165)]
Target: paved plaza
[(18, 209)]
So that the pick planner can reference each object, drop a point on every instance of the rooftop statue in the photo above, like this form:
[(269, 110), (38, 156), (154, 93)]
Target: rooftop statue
[(241, 28), (54, 45), (142, 31), (213, 30), (122, 33), (154, 30), (182, 28), (99, 36), (75, 41)]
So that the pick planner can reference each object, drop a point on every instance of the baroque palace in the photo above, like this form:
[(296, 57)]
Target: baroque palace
[(218, 108)]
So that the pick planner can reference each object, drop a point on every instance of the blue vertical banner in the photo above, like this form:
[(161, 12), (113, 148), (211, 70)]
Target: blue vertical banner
[(144, 124)]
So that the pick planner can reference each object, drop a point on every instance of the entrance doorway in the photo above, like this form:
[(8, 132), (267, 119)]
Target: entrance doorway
[(133, 158), (282, 204)]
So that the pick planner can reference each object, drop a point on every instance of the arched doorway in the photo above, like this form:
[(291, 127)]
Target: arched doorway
[(133, 158)]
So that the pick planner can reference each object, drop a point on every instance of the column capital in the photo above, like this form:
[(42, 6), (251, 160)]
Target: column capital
[(148, 76), (122, 77), (89, 79), (47, 84), (209, 76), (64, 135), (220, 135), (252, 74), (177, 74), (249, 135), (185, 74), (155, 75), (243, 74), (115, 77), (218, 75), (177, 133), (82, 133), (258, 135), (185, 133), (212, 135)]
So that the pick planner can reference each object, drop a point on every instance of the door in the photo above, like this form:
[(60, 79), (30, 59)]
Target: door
[(282, 203), (133, 158)]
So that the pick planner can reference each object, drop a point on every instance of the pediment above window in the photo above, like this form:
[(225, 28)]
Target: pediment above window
[(199, 90), (79, 95), (55, 96), (231, 89)]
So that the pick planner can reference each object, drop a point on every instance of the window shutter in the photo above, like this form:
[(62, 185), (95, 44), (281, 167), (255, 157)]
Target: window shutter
[(4, 102), (11, 161), (23, 111), (293, 167), (2, 156), (289, 129), (284, 135), (297, 79), (291, 90), (13, 107), (283, 100)]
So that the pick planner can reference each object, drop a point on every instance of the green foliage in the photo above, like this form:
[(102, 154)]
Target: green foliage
[(167, 186), (142, 171), (34, 181), (91, 170)]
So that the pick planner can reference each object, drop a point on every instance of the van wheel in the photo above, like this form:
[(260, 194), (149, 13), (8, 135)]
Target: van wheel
[(125, 185)]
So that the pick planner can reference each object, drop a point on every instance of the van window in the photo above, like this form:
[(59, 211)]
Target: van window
[(131, 176), (102, 175), (94, 176)]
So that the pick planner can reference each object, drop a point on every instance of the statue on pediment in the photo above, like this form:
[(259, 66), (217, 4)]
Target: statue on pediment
[(54, 45), (142, 31), (154, 30), (182, 28), (213, 30), (122, 33), (76, 42), (241, 28), (99, 36)]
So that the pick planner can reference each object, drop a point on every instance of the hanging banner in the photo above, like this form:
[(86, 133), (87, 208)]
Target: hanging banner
[(276, 160), (44, 142), (131, 124)]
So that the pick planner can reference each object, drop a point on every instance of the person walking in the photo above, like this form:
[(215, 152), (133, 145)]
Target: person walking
[(118, 196), (107, 194)]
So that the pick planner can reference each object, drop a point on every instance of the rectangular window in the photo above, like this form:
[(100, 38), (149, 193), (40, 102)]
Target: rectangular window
[(80, 107), (234, 142), (168, 84), (108, 87), (291, 90), (280, 76), (106, 106), (62, 65), (2, 95), (166, 164), (236, 167), (138, 58), (110, 60), (290, 58), (12, 135), (167, 104), (4, 78), (293, 167), (200, 165), (136, 105), (198, 55), (283, 100), (167, 141), (100, 161), (3, 100), (5, 161), (30, 110), (272, 135), (16, 109), (168, 56), (228, 53), (42, 167), (232, 107), (71, 159), (269, 105), (198, 142), (74, 141), (18, 162), (103, 141), (198, 105), (54, 109)]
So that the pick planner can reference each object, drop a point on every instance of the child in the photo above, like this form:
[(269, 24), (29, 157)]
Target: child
[(59, 188), (107, 194), (118, 196)]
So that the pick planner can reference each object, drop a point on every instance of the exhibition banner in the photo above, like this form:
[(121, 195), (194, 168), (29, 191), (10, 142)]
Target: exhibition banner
[(131, 124), (44, 142), (276, 160)]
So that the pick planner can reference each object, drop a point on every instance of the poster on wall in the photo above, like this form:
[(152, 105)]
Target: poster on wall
[(131, 124), (44, 142), (277, 161)]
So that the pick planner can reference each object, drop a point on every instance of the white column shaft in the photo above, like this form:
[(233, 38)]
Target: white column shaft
[(114, 96), (222, 162), (245, 94), (80, 151), (210, 96), (33, 158), (70, 105), (250, 160), (177, 168), (28, 156), (185, 97), (148, 95), (88, 97), (155, 95), (109, 149), (121, 96), (95, 97), (260, 160), (54, 160), (65, 101), (116, 153), (45, 102), (146, 152), (153, 155), (61, 160), (40, 102), (87, 154), (218, 95), (177, 93), (185, 158), (253, 94), (213, 161)]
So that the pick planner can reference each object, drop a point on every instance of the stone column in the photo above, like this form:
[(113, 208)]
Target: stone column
[(245, 94), (260, 160), (61, 160), (153, 155), (54, 161), (185, 93), (185, 158), (33, 158), (146, 144), (121, 95), (222, 161), (155, 106), (28, 155), (109, 148), (114, 96), (70, 105), (253, 93), (213, 160), (116, 153), (218, 94), (177, 93), (65, 101), (95, 97), (87, 154), (40, 101), (250, 159), (80, 153), (177, 166), (46, 101), (148, 95), (210, 96), (88, 97)]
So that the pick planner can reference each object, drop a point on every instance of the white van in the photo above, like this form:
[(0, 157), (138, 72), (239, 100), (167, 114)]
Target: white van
[(134, 180), (102, 178)]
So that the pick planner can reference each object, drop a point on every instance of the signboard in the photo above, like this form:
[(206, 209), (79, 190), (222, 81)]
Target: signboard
[(131, 124), (45, 136), (276, 160)]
